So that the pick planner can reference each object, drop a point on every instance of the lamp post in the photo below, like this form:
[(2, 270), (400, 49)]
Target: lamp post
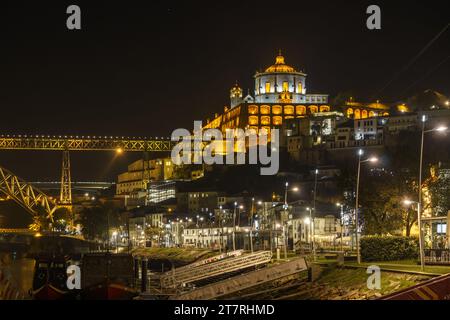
[(221, 229), (419, 204), (342, 224), (234, 226), (251, 225), (285, 223), (419, 222), (371, 159), (307, 221), (316, 172), (310, 238)]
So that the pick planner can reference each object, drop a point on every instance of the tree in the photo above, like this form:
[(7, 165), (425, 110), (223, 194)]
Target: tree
[(95, 220), (62, 219), (439, 189), (383, 211)]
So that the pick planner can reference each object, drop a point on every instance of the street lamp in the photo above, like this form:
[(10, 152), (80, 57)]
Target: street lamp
[(316, 173), (371, 159), (419, 222), (285, 224), (419, 205), (311, 225), (342, 224), (234, 226)]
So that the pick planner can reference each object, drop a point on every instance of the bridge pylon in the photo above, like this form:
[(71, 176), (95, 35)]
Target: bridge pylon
[(65, 198)]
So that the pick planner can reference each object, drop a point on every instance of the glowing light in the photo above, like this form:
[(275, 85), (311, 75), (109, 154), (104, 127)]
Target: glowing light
[(306, 220), (373, 159), (119, 150), (441, 129)]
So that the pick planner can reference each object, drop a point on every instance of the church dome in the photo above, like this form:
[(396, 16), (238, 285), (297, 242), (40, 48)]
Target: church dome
[(280, 65)]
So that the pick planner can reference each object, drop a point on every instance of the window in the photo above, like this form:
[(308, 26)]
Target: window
[(300, 109), (288, 109), (299, 88), (277, 109), (265, 109), (285, 86), (267, 87), (253, 120), (276, 120), (441, 228)]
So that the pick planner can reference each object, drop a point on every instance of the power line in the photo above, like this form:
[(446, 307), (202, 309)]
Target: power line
[(426, 75), (414, 59)]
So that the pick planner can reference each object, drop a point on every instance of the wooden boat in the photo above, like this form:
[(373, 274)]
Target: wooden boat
[(50, 277)]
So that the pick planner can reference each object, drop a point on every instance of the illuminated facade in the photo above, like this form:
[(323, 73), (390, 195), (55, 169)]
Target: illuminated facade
[(141, 172), (358, 110), (280, 94)]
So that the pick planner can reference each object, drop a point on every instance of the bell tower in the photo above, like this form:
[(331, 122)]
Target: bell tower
[(235, 95)]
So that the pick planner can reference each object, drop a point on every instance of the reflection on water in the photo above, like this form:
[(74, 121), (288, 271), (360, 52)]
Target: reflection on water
[(20, 269)]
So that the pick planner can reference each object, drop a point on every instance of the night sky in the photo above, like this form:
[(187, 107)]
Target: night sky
[(148, 67)]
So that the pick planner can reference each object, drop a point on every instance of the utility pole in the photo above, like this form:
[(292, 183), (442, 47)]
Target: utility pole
[(313, 217), (251, 225), (234, 227)]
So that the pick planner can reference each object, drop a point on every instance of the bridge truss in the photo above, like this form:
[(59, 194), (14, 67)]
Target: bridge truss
[(81, 143), (30, 198)]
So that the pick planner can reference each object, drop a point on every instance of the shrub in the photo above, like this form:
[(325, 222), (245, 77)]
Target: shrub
[(388, 248)]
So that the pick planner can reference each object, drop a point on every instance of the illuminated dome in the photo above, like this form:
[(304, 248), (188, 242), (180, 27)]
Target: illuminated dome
[(279, 65)]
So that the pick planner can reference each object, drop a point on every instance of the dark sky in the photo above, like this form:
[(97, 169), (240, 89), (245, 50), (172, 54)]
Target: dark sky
[(148, 67)]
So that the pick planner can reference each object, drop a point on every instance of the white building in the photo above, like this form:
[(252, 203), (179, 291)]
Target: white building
[(207, 237), (281, 82)]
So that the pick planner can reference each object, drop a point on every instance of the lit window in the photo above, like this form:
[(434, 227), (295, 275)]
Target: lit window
[(313, 109), (265, 109), (252, 109), (267, 87), (253, 120), (277, 120), (299, 88), (288, 109), (324, 108), (265, 120), (276, 109), (285, 86), (441, 228), (300, 109)]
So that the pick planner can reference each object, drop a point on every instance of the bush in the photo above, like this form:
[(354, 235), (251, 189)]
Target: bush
[(388, 248)]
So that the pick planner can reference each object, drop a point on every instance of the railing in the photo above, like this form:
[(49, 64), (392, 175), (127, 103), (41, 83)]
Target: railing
[(437, 256), (215, 268)]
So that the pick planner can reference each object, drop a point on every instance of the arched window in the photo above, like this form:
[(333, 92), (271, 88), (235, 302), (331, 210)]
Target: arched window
[(313, 109), (349, 112), (364, 114), (324, 108), (300, 110), (371, 114), (264, 109), (265, 120), (253, 120), (277, 109), (253, 109), (288, 109), (277, 120), (299, 88), (267, 87), (357, 114)]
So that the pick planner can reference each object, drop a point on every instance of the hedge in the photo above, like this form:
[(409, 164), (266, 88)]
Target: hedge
[(388, 248)]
